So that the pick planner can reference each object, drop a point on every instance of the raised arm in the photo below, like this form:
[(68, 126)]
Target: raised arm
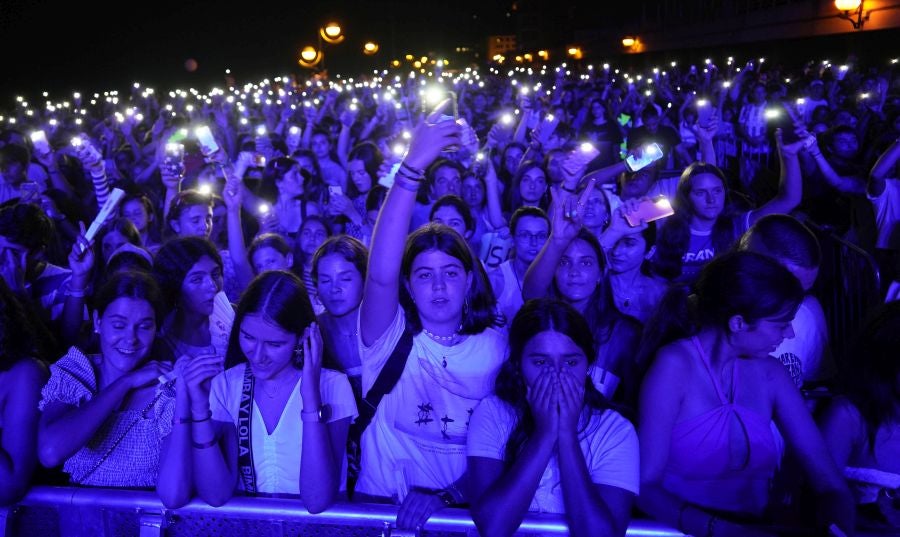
[(236, 246), (492, 193), (382, 288), (885, 165), (790, 184), (847, 185)]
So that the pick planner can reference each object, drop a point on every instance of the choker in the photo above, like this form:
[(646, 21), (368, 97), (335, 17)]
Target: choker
[(438, 338)]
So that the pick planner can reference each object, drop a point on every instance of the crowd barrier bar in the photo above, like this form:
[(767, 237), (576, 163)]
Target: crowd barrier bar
[(154, 516)]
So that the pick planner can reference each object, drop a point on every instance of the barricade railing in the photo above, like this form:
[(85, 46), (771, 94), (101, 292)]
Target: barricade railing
[(70, 511)]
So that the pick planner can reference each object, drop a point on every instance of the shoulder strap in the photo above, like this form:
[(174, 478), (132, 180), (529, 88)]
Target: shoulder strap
[(385, 382)]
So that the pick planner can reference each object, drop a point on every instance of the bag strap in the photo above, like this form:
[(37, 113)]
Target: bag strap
[(245, 433), (385, 382)]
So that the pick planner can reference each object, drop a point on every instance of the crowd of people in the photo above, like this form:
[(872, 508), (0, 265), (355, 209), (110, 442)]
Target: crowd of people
[(460, 289)]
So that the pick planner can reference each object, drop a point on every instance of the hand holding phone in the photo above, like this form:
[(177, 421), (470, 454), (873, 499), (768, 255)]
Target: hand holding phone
[(578, 158), (39, 140), (649, 210), (705, 112), (645, 156)]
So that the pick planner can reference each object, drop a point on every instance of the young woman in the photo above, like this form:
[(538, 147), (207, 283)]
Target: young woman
[(414, 449), (139, 209), (547, 415), (362, 169), (313, 233), (288, 437), (529, 187), (189, 271), (862, 427), (529, 227), (270, 251), (21, 377), (707, 404), (295, 197), (105, 415), (636, 291), (571, 266), (703, 227)]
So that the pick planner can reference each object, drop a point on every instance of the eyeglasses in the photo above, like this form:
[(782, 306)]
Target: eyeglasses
[(530, 237)]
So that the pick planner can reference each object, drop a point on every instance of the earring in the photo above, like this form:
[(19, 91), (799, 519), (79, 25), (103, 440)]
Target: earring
[(298, 355), (465, 307)]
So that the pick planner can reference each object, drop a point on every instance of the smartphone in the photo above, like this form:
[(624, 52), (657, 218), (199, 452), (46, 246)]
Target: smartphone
[(207, 142), (649, 210), (173, 161), (650, 153), (450, 113), (30, 190), (578, 158), (704, 113), (259, 160), (39, 139), (335, 190)]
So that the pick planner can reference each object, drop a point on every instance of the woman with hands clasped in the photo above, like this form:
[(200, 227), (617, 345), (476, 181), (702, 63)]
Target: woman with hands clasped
[(413, 452), (105, 415), (547, 415), (274, 423)]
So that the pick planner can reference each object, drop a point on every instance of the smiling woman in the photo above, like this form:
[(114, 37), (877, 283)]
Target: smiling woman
[(105, 415)]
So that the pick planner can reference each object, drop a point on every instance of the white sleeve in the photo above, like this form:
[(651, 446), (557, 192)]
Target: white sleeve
[(613, 458), (336, 393), (489, 429), (375, 355), (218, 398)]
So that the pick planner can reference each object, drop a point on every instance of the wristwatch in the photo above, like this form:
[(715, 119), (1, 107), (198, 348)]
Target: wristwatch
[(446, 497), (320, 415)]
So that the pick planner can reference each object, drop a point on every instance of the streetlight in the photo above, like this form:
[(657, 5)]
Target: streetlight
[(628, 42), (852, 10), (575, 53), (310, 57), (332, 33), (370, 48)]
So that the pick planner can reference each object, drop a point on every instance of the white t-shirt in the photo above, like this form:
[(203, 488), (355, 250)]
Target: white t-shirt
[(807, 355), (418, 434), (276, 456), (609, 445), (887, 214)]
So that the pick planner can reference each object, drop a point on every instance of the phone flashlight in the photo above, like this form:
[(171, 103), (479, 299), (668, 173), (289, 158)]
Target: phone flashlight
[(77, 141), (294, 131), (653, 151), (586, 147), (205, 189), (261, 130), (772, 113), (263, 209), (506, 119), (399, 149), (479, 156)]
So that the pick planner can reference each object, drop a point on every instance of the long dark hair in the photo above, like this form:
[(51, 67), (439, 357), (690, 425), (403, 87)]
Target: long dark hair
[(175, 259), (481, 311), (871, 383), (22, 334), (536, 316), (674, 237), (280, 298), (370, 155)]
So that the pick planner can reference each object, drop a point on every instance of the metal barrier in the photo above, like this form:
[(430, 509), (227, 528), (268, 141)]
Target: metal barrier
[(848, 287), (69, 511)]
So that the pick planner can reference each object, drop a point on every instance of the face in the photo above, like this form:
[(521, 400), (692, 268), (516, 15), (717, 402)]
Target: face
[(13, 173), (291, 185), (312, 236), (446, 181), (762, 338), (320, 146), (340, 285), (533, 186), (438, 283), (627, 254), (268, 258), (359, 176), (758, 95), (707, 196), (531, 234), (845, 145), (652, 123), (269, 348), (512, 158), (127, 329), (449, 216), (200, 286), (135, 211), (595, 212), (552, 351), (111, 242), (194, 221), (578, 272), (637, 184), (472, 192)]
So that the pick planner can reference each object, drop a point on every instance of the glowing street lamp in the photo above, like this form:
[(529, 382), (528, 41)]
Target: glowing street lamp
[(370, 48), (309, 57), (628, 42), (575, 52), (332, 33)]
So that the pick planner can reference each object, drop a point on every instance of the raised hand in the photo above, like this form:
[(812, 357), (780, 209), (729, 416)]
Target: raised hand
[(81, 257), (431, 137), (567, 212), (311, 345)]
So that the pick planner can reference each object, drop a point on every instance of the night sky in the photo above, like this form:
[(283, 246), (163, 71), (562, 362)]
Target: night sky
[(61, 46)]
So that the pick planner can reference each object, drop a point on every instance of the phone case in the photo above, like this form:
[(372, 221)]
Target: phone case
[(649, 210), (651, 153), (579, 158)]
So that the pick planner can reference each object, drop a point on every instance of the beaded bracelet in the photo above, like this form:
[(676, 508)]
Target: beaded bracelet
[(409, 175), (407, 184)]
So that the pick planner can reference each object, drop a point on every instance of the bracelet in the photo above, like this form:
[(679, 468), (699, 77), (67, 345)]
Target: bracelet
[(205, 418), (567, 189), (414, 171), (410, 176), (407, 184), (74, 293), (204, 445), (711, 526)]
